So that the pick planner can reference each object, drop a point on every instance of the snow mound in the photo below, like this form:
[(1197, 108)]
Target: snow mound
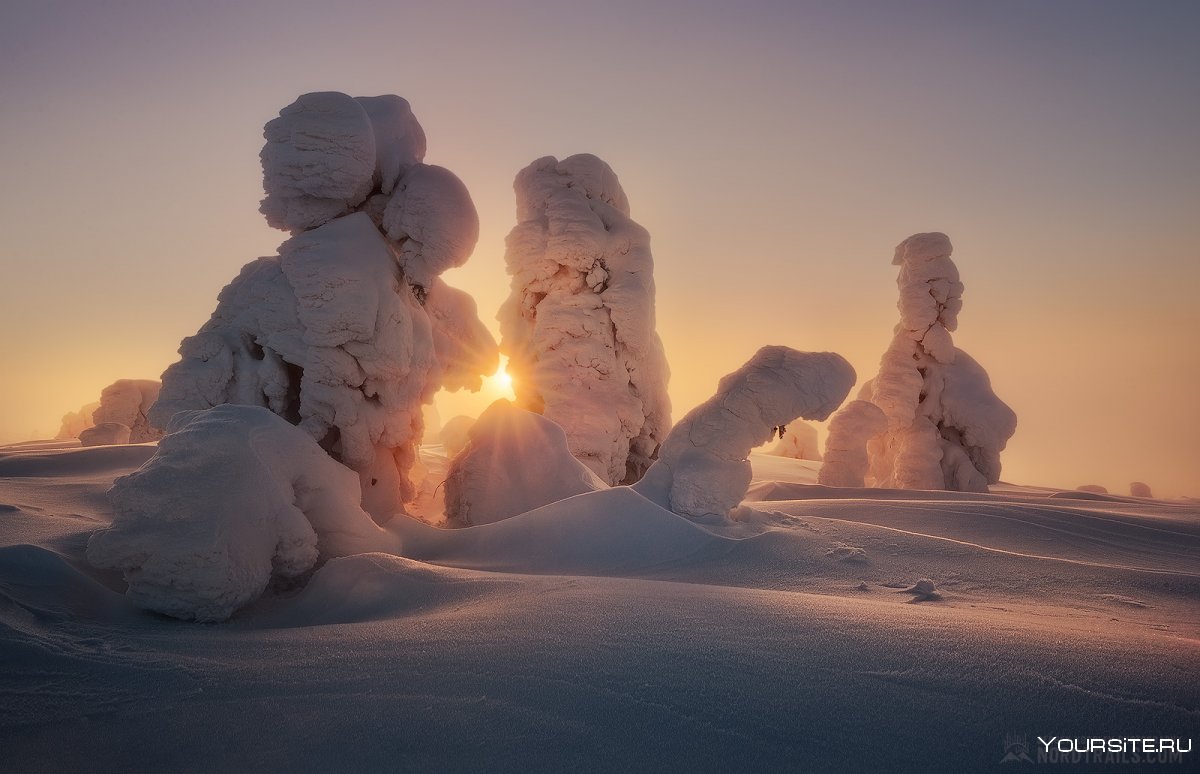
[(946, 428), (44, 583), (703, 468), (232, 497), (515, 461), (607, 532), (74, 463), (1140, 489), (376, 587), (579, 323)]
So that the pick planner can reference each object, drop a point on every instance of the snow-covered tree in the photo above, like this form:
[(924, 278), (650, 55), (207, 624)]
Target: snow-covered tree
[(703, 468), (120, 416), (579, 324), (946, 428), (850, 430), (799, 442), (348, 330)]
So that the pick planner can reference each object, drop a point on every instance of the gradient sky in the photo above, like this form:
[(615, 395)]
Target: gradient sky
[(776, 151)]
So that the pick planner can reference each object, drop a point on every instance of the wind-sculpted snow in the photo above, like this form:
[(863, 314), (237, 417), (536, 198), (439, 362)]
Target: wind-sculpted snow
[(850, 429), (579, 324), (349, 330), (515, 461), (233, 497), (703, 468), (946, 428)]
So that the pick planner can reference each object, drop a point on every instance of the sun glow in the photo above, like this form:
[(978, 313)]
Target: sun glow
[(500, 383)]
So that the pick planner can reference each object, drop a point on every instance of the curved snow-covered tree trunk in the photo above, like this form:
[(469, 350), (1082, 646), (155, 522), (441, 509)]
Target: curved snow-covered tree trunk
[(703, 468)]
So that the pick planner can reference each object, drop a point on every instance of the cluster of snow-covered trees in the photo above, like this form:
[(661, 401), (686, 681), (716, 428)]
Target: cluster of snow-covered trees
[(303, 392)]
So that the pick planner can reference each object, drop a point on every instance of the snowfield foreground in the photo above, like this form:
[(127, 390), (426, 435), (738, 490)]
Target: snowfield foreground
[(603, 632)]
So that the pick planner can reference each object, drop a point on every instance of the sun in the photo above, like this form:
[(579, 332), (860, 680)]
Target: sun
[(500, 382)]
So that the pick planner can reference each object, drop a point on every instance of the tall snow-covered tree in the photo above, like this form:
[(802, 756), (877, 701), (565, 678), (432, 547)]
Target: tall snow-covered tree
[(945, 426), (579, 324)]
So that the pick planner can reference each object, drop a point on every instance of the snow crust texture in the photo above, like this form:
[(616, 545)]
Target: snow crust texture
[(233, 497), (579, 324), (703, 469), (348, 330), (946, 428), (515, 461), (846, 462)]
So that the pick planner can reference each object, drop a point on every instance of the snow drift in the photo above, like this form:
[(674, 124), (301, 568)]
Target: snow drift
[(515, 461), (349, 330), (579, 324), (233, 497), (703, 467), (946, 428)]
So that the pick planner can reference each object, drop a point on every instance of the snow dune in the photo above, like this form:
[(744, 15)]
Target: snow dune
[(603, 632)]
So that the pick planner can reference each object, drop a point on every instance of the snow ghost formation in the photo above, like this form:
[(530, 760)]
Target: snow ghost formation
[(579, 325), (846, 448), (946, 428), (349, 329), (703, 468), (119, 417), (1140, 489), (799, 442), (232, 497), (515, 461), (75, 422)]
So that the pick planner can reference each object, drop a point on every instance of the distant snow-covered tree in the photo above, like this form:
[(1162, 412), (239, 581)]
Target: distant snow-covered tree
[(946, 428)]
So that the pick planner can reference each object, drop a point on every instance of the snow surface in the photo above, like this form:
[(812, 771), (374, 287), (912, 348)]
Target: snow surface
[(579, 323), (514, 461), (232, 497), (946, 428), (702, 469), (604, 632)]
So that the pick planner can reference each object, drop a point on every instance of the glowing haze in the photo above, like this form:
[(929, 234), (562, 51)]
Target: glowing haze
[(776, 151)]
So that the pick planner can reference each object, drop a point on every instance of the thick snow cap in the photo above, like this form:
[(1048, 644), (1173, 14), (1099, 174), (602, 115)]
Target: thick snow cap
[(232, 497), (579, 323), (515, 461), (327, 152), (946, 428), (703, 468)]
